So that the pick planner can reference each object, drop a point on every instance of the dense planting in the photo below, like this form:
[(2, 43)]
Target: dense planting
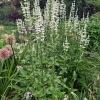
[(49, 57)]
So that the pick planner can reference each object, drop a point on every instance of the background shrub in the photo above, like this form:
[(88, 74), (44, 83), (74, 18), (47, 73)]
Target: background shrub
[(14, 14), (7, 23), (4, 12), (94, 32)]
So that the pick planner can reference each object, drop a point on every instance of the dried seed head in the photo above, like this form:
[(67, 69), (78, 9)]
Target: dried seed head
[(4, 54), (10, 39)]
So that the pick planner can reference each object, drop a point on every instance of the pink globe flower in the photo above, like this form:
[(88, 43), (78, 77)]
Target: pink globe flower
[(10, 39), (4, 35), (4, 54), (8, 47)]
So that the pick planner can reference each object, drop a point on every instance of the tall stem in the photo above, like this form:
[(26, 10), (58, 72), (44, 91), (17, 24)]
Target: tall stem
[(41, 61), (15, 62), (53, 67)]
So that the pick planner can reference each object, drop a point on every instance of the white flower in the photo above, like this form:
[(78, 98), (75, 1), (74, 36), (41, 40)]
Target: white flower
[(85, 99), (19, 24), (84, 39), (28, 95), (66, 45), (66, 97), (19, 67), (38, 21), (26, 12), (71, 16)]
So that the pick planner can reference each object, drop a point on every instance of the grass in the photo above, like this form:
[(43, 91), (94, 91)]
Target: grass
[(7, 30)]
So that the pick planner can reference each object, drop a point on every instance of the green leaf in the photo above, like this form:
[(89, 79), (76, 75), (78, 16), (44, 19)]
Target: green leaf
[(15, 97), (23, 53), (1, 77), (18, 88), (74, 75), (83, 82), (23, 72)]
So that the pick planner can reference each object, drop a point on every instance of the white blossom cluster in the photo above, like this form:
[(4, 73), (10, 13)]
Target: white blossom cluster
[(62, 10), (72, 13), (54, 15), (66, 45), (53, 12), (74, 25), (20, 47), (21, 28), (26, 12), (76, 22), (47, 13), (28, 19), (38, 21), (19, 24), (84, 38)]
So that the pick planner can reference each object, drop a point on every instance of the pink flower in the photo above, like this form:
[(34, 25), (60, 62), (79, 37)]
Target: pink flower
[(8, 47), (10, 39), (4, 54), (1, 27), (4, 35)]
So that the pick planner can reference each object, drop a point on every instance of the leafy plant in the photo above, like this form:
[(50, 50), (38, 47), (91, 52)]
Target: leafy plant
[(7, 69), (4, 12), (53, 62), (13, 15), (93, 31)]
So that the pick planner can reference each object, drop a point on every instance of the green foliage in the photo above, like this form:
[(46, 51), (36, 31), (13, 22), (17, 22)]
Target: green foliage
[(7, 23), (4, 14), (49, 71), (7, 29), (94, 32), (4, 11), (7, 74), (94, 2)]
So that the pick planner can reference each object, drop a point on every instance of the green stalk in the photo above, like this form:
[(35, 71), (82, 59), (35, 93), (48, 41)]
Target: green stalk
[(15, 61), (43, 84), (53, 68), (8, 87), (33, 67)]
